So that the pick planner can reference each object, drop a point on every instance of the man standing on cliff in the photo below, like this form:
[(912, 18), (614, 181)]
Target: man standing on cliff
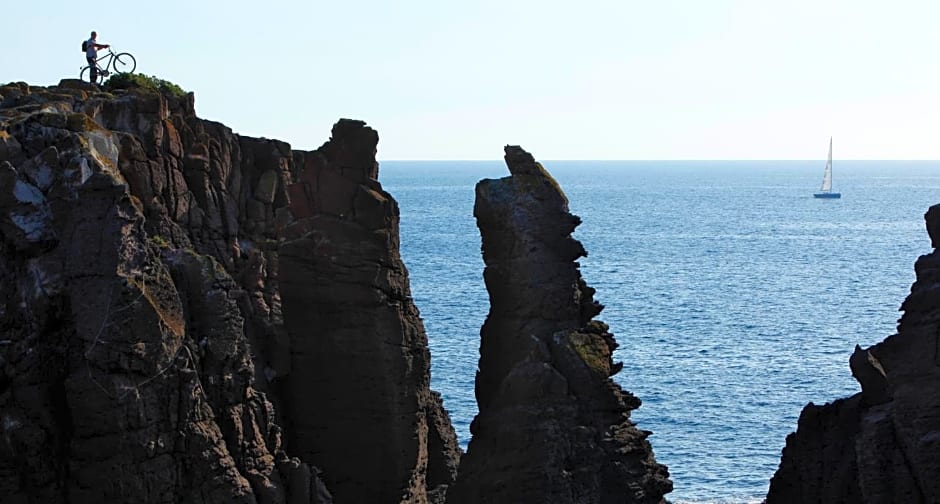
[(91, 54)]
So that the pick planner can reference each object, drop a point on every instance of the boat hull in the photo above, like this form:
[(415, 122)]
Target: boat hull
[(827, 195)]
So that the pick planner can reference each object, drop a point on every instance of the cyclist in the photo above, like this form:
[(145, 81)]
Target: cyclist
[(91, 54)]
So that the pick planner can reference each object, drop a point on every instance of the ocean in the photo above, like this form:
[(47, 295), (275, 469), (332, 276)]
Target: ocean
[(736, 297)]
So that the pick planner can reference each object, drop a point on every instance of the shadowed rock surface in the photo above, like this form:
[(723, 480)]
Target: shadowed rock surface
[(144, 353), (359, 353), (552, 427), (882, 444)]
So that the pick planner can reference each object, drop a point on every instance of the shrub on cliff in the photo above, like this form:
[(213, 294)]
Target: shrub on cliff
[(131, 81)]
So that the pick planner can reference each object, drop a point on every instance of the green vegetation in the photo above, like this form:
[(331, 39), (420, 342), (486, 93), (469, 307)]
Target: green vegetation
[(135, 80), (159, 241)]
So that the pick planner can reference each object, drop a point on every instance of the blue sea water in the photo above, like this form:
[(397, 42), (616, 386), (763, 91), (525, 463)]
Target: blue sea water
[(736, 297)]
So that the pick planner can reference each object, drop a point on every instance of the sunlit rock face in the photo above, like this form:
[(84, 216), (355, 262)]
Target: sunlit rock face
[(882, 444), (151, 349), (552, 427)]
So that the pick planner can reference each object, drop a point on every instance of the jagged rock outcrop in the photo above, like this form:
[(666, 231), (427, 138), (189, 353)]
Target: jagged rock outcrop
[(144, 353), (553, 426), (882, 444), (354, 328)]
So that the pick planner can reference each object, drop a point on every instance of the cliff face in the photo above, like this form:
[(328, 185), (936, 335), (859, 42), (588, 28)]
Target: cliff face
[(359, 353), (552, 427), (881, 444), (183, 307)]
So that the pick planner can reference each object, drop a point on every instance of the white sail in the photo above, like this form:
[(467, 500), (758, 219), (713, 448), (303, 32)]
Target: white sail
[(827, 178)]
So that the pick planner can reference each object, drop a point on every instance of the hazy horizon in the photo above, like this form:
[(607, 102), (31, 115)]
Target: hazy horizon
[(603, 79)]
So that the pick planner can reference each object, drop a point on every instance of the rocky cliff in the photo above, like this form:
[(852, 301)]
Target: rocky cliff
[(194, 316), (881, 444), (183, 307), (552, 426)]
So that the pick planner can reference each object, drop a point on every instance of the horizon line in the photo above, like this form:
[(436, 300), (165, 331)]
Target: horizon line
[(403, 160)]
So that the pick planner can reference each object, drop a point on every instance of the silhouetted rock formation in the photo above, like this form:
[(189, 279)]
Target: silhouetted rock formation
[(882, 444), (553, 427), (144, 355), (359, 353)]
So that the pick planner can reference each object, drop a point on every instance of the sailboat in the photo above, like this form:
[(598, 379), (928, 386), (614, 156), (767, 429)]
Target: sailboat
[(826, 191)]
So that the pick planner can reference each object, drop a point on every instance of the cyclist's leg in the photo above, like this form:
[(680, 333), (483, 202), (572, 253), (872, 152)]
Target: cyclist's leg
[(103, 70), (93, 68)]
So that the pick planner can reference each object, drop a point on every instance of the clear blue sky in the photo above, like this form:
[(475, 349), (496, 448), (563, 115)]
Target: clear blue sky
[(593, 79)]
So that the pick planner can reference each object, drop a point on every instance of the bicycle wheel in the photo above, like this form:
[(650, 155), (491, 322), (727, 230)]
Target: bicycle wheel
[(86, 74), (124, 63)]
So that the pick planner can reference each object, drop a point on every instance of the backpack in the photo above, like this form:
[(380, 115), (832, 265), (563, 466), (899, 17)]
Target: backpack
[(84, 45)]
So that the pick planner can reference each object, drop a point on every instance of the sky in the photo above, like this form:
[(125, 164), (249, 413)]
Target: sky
[(593, 79)]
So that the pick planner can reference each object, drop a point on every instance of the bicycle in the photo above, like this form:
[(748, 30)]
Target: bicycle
[(119, 62)]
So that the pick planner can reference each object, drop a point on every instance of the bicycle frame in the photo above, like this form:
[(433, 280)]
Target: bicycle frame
[(116, 63), (110, 56)]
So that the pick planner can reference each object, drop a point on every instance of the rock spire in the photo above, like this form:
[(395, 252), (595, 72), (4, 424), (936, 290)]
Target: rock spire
[(553, 426)]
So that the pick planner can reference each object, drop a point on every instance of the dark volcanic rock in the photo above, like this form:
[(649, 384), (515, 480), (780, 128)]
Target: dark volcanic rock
[(882, 444), (144, 356), (359, 353), (553, 427)]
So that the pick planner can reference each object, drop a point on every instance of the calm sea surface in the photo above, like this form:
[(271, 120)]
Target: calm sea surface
[(736, 296)]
